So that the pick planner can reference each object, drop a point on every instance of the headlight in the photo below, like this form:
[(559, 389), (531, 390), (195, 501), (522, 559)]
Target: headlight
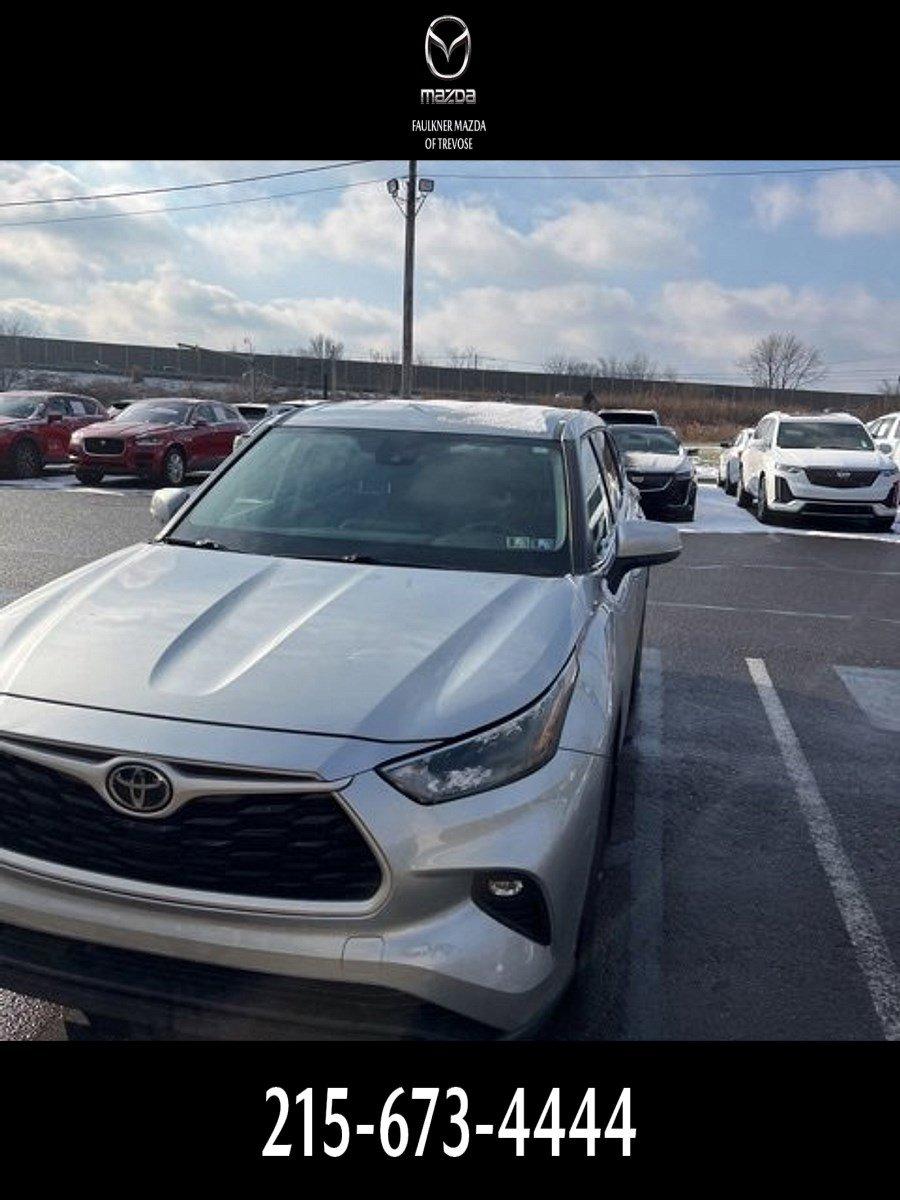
[(494, 757), (685, 472), (789, 468), (147, 441), (890, 470)]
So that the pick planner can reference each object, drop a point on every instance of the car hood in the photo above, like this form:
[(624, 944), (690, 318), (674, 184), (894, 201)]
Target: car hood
[(848, 459), (123, 429), (388, 653), (638, 460)]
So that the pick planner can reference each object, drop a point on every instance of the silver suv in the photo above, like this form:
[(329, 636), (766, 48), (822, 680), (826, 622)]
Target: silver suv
[(337, 746), (822, 465)]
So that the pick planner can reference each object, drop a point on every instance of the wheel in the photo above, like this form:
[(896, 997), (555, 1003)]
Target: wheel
[(762, 503), (691, 512), (88, 475), (730, 488), (173, 468), (26, 461), (882, 524), (742, 496)]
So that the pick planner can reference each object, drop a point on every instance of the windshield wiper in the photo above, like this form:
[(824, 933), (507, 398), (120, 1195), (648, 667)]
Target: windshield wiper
[(201, 544)]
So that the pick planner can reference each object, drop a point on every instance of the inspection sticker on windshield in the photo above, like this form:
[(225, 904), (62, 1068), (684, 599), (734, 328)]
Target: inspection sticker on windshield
[(523, 542)]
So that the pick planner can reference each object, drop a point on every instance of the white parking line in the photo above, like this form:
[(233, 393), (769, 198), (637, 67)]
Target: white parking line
[(773, 612), (643, 1013), (862, 926)]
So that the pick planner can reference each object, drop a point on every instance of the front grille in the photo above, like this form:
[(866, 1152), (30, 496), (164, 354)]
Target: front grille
[(837, 477), (97, 445), (289, 847), (650, 481)]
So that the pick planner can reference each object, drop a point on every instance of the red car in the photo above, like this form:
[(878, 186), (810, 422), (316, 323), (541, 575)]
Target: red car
[(35, 428), (163, 440)]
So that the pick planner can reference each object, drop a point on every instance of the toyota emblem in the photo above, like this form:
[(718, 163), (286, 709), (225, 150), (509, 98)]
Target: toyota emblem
[(138, 789)]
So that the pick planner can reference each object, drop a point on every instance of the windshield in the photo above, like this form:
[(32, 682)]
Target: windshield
[(823, 435), (650, 440), (459, 501), (17, 408), (156, 412)]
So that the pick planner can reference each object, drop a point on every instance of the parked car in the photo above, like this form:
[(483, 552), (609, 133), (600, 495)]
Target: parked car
[(273, 411), (660, 468), (822, 465), (628, 416), (339, 744), (35, 428), (730, 461), (887, 429), (164, 440), (253, 413)]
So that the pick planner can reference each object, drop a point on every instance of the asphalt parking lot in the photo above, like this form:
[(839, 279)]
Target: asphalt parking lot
[(749, 886)]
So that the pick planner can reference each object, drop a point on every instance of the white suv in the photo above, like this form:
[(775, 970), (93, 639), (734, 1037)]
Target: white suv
[(887, 429), (822, 465)]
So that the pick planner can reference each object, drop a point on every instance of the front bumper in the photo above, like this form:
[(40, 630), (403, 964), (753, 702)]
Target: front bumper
[(421, 938), (134, 460), (794, 495), (672, 497)]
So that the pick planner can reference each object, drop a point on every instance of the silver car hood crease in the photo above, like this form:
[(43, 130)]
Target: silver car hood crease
[(390, 653)]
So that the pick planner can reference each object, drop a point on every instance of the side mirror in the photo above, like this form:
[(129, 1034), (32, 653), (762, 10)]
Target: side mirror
[(642, 544), (53, 418), (693, 451), (166, 503), (726, 445), (885, 448), (199, 423)]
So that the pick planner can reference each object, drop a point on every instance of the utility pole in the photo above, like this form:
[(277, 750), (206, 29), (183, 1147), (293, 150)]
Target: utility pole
[(416, 192), (409, 264)]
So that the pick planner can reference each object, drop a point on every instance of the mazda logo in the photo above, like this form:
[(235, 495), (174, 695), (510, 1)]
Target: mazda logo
[(447, 38), (138, 789)]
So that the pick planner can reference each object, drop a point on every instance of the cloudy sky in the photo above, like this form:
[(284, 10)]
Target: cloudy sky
[(689, 271)]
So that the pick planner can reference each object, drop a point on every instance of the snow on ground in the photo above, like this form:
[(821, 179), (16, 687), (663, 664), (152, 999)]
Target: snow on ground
[(718, 513)]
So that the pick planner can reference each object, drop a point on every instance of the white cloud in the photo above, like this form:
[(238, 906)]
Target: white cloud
[(776, 203), (856, 203), (462, 241), (169, 307), (844, 204)]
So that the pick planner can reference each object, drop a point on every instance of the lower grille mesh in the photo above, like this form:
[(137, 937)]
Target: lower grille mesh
[(294, 847)]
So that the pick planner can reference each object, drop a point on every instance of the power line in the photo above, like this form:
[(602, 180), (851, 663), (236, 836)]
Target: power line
[(183, 187), (144, 212), (652, 175)]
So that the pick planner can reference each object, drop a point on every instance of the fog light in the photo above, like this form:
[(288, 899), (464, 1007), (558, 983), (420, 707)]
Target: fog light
[(516, 901), (505, 889)]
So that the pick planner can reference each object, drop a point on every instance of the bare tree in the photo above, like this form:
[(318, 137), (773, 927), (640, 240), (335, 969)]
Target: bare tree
[(385, 356), (781, 362), (323, 346), (889, 387), (468, 356), (15, 325), (639, 366), (562, 364)]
